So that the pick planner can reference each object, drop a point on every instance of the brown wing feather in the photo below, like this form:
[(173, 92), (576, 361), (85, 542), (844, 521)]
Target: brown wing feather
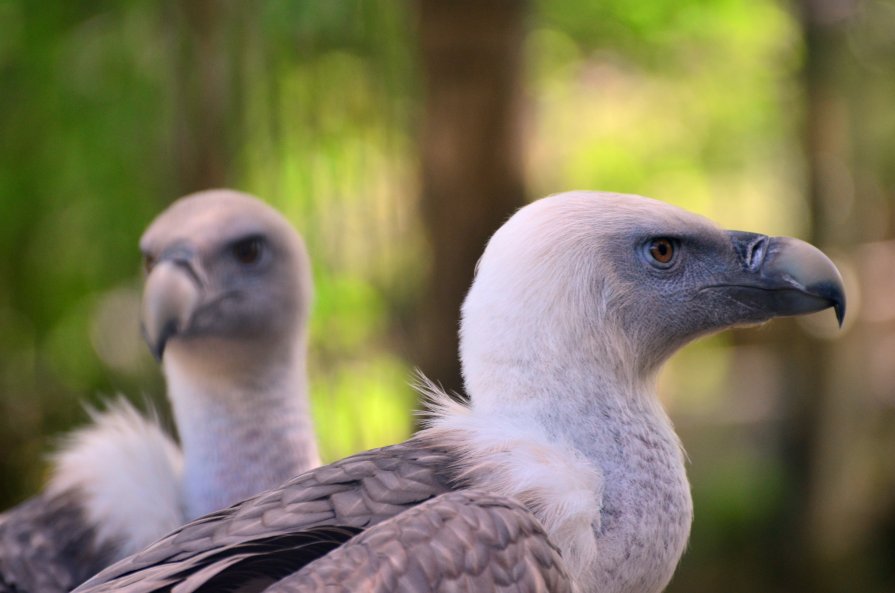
[(356, 492), (48, 546), (460, 541)]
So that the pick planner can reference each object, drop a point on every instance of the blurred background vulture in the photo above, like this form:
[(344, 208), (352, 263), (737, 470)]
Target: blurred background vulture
[(225, 307), (563, 472)]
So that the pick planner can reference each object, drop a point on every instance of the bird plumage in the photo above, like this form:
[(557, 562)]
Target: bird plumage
[(577, 301), (48, 544), (468, 540), (356, 493)]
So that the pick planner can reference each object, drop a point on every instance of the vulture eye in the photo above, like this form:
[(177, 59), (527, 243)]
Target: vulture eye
[(661, 252), (248, 251), (148, 262)]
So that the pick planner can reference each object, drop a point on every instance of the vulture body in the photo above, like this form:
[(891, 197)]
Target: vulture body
[(225, 305), (563, 473)]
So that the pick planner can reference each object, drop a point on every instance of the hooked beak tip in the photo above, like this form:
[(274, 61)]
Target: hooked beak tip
[(157, 346), (833, 292), (839, 307)]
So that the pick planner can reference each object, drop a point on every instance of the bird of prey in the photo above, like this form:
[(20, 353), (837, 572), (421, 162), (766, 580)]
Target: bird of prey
[(563, 473), (225, 306)]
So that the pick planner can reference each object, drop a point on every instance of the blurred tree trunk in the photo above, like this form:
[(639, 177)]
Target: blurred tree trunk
[(825, 379), (471, 154), (209, 36)]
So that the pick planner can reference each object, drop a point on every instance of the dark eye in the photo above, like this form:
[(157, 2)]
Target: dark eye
[(248, 251), (661, 252), (148, 262)]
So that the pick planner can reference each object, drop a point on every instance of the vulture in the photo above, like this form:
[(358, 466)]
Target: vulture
[(563, 472), (225, 306)]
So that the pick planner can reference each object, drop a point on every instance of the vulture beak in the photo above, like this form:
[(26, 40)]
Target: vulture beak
[(171, 295), (784, 276)]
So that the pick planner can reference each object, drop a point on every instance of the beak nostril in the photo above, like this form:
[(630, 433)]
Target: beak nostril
[(751, 249), (756, 252)]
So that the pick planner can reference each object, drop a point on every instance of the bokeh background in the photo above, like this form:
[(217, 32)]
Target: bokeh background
[(397, 135)]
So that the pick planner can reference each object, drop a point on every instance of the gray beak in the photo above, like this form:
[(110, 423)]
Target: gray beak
[(170, 297), (784, 276)]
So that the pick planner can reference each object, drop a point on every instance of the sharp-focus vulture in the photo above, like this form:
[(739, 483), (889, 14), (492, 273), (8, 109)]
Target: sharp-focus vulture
[(225, 306), (563, 473)]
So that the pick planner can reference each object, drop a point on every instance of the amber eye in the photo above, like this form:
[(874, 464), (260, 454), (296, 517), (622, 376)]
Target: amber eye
[(662, 251), (248, 251), (148, 262)]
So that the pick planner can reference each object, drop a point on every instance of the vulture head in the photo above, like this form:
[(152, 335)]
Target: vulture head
[(227, 280), (588, 281)]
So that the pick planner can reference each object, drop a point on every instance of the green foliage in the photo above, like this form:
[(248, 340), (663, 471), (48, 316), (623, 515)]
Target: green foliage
[(87, 159), (671, 99), (81, 131), (676, 100), (692, 101)]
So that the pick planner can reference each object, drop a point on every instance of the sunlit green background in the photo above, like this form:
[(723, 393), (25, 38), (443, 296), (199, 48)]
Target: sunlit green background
[(770, 116)]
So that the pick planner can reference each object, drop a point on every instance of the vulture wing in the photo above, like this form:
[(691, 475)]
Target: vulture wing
[(467, 540), (46, 544), (328, 504)]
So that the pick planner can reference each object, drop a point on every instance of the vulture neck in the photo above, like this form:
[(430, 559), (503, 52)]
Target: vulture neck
[(244, 428), (583, 441)]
